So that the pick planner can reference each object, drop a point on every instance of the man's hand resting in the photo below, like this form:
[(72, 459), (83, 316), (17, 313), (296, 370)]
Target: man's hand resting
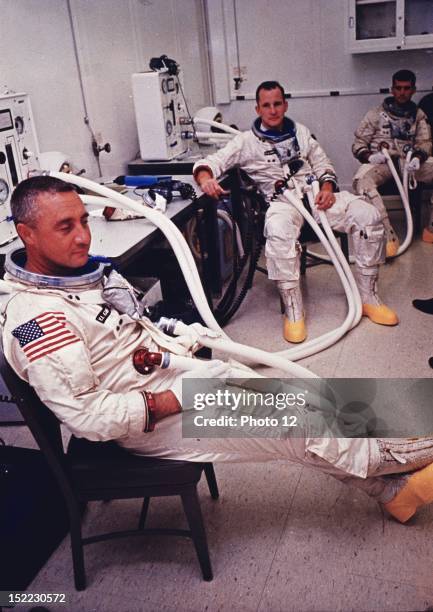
[(212, 188), (325, 199)]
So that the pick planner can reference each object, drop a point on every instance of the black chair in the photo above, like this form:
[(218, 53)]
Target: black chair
[(91, 471)]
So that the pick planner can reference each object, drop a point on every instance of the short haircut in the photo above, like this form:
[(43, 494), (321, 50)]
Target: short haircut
[(24, 198), (404, 75), (268, 85)]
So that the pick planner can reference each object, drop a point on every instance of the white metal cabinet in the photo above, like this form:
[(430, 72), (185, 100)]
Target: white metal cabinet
[(390, 25), (160, 114)]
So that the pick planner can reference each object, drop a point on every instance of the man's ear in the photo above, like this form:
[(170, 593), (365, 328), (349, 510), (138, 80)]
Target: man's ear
[(25, 232)]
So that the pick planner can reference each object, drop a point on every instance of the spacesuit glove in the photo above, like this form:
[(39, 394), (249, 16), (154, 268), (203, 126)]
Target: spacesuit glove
[(206, 369), (197, 330), (414, 165), (377, 158), (191, 335)]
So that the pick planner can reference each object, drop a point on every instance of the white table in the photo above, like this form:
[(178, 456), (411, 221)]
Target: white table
[(121, 241)]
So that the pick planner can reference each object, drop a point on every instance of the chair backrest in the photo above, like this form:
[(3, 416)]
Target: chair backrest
[(42, 422)]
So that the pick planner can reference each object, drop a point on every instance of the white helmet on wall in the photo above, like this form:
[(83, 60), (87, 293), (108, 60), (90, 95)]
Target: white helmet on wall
[(208, 113), (54, 161)]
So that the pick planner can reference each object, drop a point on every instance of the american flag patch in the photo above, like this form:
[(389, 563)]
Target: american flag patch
[(44, 334)]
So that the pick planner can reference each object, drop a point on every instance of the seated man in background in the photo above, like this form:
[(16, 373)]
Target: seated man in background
[(397, 122), (68, 335), (266, 153)]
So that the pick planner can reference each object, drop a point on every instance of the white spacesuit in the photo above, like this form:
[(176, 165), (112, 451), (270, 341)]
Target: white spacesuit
[(64, 337), (398, 127), (263, 157)]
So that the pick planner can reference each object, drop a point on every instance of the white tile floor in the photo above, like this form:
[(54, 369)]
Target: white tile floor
[(281, 537)]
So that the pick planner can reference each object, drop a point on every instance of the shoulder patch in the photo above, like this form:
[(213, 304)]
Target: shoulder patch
[(45, 334)]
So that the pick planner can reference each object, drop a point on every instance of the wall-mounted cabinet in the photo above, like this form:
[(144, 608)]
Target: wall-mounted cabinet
[(390, 25)]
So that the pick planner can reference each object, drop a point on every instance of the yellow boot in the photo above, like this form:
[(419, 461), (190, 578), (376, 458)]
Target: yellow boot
[(380, 314), (417, 492), (392, 242), (294, 329), (427, 235), (372, 306)]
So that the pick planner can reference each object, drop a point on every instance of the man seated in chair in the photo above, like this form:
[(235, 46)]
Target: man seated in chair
[(274, 147), (397, 123), (66, 332)]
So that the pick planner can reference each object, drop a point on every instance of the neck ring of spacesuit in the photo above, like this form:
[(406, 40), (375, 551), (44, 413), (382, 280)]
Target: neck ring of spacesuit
[(88, 275), (275, 136), (285, 144), (407, 110)]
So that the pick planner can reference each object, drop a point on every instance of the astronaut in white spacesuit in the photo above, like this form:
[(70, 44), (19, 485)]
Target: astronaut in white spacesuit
[(66, 332), (397, 124), (266, 152)]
